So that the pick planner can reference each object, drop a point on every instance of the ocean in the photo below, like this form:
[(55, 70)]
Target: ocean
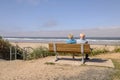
[(91, 40)]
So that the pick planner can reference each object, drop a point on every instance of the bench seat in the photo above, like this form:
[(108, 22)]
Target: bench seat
[(69, 48)]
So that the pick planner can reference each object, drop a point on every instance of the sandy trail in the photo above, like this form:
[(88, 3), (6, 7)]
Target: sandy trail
[(38, 70)]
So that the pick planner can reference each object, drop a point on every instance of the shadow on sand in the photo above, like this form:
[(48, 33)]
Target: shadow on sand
[(98, 60)]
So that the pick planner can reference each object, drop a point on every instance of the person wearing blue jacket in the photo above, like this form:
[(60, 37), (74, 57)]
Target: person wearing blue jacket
[(70, 39)]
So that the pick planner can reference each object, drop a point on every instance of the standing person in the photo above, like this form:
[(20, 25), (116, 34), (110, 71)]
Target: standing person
[(70, 39), (84, 41)]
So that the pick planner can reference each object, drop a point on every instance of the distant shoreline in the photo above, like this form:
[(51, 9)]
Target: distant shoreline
[(98, 38), (93, 40)]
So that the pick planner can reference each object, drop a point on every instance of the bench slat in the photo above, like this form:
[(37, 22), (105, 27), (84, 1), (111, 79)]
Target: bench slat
[(69, 48)]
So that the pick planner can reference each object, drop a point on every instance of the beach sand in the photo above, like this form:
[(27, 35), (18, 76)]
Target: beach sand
[(28, 44), (35, 45), (38, 70)]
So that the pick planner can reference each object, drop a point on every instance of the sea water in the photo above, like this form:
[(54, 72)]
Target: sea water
[(91, 40)]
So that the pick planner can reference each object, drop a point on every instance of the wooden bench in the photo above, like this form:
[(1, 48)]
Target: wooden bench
[(69, 48)]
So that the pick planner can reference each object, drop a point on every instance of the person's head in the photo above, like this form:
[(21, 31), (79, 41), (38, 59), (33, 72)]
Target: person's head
[(70, 36), (82, 36)]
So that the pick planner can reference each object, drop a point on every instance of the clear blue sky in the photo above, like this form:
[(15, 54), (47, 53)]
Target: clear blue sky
[(35, 15)]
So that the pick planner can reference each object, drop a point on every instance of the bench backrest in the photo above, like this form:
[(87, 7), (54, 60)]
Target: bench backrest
[(68, 48)]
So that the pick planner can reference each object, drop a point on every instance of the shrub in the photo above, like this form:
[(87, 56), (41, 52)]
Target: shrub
[(116, 74), (0, 37), (50, 63), (39, 53), (5, 49), (99, 51), (117, 49)]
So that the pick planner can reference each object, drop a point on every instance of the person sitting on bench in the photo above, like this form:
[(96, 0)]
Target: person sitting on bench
[(70, 39), (83, 41)]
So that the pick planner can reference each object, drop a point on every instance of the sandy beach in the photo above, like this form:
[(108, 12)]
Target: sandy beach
[(29, 44), (37, 44), (39, 70)]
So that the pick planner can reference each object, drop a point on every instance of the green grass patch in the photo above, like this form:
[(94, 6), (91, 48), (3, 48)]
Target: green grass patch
[(50, 63), (0, 37), (5, 49), (39, 52), (99, 51), (117, 49), (116, 74), (83, 65)]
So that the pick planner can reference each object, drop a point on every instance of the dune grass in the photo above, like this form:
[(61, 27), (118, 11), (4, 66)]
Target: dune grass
[(39, 52), (99, 51), (5, 49), (50, 63), (116, 74), (117, 49), (0, 37)]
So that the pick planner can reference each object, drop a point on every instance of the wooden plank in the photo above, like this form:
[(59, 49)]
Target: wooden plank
[(70, 48)]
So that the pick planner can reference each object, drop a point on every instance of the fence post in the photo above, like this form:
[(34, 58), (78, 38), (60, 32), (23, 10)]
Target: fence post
[(15, 53), (10, 53), (23, 53)]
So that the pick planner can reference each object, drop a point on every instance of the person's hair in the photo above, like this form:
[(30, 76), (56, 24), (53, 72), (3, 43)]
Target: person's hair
[(82, 35), (70, 36)]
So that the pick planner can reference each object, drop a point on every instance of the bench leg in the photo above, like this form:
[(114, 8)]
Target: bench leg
[(83, 61), (73, 56), (56, 57)]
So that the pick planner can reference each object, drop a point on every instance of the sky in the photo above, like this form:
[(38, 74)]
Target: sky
[(43, 18)]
